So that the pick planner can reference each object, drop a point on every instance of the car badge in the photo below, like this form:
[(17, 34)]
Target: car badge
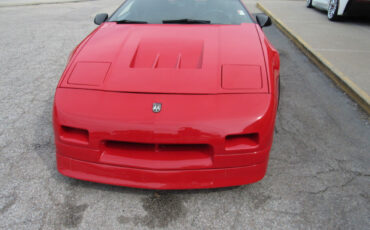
[(157, 107)]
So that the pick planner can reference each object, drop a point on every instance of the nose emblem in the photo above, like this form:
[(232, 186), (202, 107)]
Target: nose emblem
[(157, 107)]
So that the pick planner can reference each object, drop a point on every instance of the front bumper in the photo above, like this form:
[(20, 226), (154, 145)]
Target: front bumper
[(160, 179), (115, 138)]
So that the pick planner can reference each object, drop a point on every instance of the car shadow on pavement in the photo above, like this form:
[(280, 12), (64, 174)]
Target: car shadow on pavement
[(356, 20)]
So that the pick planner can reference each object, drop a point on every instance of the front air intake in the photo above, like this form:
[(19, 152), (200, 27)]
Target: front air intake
[(156, 155), (74, 135), (241, 141)]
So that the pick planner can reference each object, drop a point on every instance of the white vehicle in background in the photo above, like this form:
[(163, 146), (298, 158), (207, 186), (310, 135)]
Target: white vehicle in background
[(338, 8)]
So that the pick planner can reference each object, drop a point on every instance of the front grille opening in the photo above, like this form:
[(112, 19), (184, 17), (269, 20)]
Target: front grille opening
[(129, 146), (132, 146), (76, 135), (185, 147), (156, 156), (241, 141)]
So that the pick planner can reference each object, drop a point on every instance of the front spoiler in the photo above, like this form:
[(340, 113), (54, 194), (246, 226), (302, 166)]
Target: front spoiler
[(160, 179)]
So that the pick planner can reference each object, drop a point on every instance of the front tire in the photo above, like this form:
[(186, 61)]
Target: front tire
[(309, 3), (333, 10)]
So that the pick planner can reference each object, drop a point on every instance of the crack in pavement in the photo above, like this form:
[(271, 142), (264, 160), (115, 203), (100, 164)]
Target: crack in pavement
[(10, 202), (329, 187)]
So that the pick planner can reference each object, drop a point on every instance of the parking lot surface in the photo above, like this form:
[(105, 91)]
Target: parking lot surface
[(318, 175)]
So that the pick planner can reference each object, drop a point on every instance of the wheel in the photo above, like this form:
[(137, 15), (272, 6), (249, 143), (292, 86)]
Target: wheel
[(333, 10), (309, 3)]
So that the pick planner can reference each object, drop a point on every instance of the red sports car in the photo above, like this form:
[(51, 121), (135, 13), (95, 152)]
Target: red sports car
[(169, 94)]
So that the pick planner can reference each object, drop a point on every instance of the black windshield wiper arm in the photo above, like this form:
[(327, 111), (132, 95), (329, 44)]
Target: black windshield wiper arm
[(186, 21), (125, 21)]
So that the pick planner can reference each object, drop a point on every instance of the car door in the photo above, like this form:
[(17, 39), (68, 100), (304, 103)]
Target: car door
[(321, 4)]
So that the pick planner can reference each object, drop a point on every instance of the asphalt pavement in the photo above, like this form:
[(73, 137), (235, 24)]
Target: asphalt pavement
[(318, 175)]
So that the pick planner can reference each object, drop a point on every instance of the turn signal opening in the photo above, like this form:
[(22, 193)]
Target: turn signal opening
[(241, 141), (76, 135)]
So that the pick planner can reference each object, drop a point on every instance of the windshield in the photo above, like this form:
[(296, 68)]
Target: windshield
[(182, 12)]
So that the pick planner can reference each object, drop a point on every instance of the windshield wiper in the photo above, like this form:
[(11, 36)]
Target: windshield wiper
[(186, 21), (125, 21)]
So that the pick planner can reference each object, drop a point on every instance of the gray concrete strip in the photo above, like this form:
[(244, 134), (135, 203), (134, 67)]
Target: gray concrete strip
[(327, 43), (251, 6), (16, 3)]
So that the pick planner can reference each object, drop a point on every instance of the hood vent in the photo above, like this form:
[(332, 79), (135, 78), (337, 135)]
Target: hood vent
[(168, 53)]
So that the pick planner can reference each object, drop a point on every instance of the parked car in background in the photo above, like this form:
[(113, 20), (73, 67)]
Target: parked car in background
[(337, 8)]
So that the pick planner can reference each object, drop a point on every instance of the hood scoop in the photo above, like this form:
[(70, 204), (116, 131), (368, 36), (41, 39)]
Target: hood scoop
[(168, 53)]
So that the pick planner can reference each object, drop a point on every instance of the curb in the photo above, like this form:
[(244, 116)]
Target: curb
[(340, 79)]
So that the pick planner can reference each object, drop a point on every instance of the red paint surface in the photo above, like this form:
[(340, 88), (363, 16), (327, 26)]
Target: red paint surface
[(206, 135)]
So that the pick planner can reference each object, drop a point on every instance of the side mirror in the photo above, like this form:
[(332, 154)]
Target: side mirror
[(100, 18), (263, 20)]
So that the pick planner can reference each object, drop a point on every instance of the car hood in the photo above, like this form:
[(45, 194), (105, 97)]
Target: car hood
[(183, 59)]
